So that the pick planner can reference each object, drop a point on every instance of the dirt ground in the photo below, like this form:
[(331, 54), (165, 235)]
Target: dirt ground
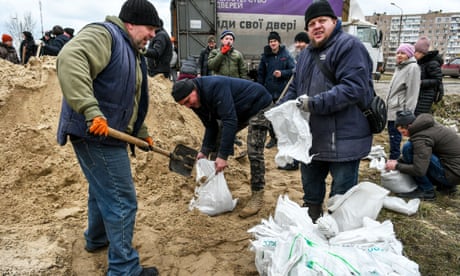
[(43, 202)]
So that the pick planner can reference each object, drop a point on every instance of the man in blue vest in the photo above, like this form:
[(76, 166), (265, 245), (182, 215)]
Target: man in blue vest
[(103, 78)]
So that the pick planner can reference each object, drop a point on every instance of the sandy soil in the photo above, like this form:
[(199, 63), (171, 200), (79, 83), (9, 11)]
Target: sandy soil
[(43, 193), (43, 203)]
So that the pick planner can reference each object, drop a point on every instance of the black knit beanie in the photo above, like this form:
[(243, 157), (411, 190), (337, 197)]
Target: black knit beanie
[(274, 35), (404, 118), (303, 37), (182, 89), (317, 9), (139, 12), (227, 32)]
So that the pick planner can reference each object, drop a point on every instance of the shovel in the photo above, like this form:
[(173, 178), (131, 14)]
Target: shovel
[(181, 160)]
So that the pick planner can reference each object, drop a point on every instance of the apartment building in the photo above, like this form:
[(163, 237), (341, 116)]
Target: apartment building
[(443, 29)]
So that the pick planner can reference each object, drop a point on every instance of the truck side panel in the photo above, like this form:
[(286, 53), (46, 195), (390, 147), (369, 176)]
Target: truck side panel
[(192, 22)]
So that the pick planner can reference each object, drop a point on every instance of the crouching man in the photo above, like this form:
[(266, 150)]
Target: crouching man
[(431, 156), (236, 103)]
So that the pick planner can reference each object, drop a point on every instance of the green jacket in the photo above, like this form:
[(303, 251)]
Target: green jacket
[(231, 64), (79, 63)]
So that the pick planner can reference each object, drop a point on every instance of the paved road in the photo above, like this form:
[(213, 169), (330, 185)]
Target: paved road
[(451, 86)]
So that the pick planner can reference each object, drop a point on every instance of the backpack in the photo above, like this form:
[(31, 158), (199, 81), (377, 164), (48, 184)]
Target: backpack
[(375, 112)]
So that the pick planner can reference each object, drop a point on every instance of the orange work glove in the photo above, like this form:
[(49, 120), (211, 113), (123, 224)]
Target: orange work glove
[(225, 49), (99, 126), (149, 141)]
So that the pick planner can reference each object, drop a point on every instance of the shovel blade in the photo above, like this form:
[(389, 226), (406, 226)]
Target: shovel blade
[(182, 160)]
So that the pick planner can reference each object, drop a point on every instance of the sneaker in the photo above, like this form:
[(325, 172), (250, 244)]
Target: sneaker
[(271, 143), (418, 193), (149, 271), (290, 167)]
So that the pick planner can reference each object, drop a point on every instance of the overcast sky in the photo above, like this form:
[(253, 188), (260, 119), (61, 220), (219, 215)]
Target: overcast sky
[(77, 13)]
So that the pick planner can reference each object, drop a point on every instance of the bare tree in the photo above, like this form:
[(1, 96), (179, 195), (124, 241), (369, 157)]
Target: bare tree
[(16, 26)]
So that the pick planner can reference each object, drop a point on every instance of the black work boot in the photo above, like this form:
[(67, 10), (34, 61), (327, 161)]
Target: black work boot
[(149, 271), (271, 143), (314, 210)]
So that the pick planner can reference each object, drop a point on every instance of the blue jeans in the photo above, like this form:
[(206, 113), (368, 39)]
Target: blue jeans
[(435, 172), (395, 141), (344, 177), (112, 203)]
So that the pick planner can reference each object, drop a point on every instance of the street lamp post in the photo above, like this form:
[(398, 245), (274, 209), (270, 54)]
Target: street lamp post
[(400, 22)]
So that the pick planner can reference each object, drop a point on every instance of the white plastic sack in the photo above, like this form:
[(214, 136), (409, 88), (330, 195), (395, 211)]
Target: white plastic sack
[(290, 245), (292, 131), (362, 200), (398, 204), (377, 163), (397, 182), (327, 226), (377, 152), (213, 197)]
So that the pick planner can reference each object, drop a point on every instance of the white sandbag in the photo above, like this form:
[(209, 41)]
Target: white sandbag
[(213, 196), (399, 205), (377, 163), (327, 226), (397, 182), (287, 246), (291, 126), (362, 200)]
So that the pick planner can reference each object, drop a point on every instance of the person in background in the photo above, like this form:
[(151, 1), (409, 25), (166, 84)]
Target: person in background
[(27, 49), (341, 135), (237, 103), (104, 81), (431, 155), (274, 72), (204, 55), (188, 69), (227, 61), (47, 37), (69, 32), (402, 94), (159, 53), (60, 39), (430, 73), (7, 50), (301, 42)]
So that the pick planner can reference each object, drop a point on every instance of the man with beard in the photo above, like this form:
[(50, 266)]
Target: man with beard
[(341, 135)]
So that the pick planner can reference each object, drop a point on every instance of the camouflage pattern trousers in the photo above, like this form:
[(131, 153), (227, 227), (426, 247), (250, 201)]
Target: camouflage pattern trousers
[(257, 133)]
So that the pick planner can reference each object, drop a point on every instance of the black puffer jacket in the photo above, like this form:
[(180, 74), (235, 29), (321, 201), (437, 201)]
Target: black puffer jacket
[(159, 54), (431, 75)]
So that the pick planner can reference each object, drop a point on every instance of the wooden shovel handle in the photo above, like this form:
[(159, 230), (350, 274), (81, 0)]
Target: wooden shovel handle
[(135, 141)]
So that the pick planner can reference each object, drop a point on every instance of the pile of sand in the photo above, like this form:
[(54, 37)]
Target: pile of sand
[(43, 206)]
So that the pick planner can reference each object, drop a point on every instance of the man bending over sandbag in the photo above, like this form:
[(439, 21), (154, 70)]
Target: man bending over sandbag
[(431, 156), (236, 103)]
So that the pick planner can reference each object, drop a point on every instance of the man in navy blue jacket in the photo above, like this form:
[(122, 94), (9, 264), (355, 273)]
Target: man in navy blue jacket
[(340, 133), (236, 103)]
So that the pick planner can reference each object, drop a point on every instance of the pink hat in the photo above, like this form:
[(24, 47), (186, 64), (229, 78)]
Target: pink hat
[(422, 45), (407, 49)]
